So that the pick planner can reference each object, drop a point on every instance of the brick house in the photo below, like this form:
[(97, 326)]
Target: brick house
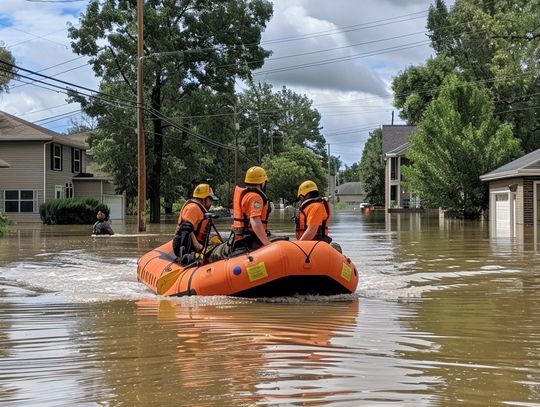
[(41, 165)]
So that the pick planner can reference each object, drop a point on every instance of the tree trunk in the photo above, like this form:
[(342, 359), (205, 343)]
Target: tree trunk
[(155, 173)]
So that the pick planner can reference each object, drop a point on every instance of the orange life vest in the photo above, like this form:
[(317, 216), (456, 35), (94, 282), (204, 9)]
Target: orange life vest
[(301, 219), (241, 226), (202, 228)]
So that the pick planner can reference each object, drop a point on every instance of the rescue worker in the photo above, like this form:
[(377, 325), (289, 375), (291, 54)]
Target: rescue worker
[(193, 227), (251, 209), (313, 214)]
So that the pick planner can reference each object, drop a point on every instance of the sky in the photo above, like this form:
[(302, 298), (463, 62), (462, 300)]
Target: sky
[(342, 54)]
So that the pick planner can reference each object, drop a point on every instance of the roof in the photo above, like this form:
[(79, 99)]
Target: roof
[(15, 129), (350, 188), (528, 165), (400, 150), (395, 136), (4, 164)]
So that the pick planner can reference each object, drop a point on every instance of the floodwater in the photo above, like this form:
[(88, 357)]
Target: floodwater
[(444, 316)]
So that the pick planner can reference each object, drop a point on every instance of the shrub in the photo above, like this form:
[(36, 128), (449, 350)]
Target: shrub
[(71, 211), (3, 224)]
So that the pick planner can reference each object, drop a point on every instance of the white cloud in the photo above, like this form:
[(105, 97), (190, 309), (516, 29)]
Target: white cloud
[(353, 96)]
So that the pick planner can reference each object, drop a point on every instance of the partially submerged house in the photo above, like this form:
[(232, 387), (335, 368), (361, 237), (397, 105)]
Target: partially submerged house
[(350, 193), (395, 140), (514, 195), (45, 165)]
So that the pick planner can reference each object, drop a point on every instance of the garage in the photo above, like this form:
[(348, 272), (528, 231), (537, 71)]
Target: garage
[(116, 205), (514, 192)]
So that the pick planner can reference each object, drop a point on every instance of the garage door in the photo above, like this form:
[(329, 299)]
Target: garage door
[(502, 214), (115, 204)]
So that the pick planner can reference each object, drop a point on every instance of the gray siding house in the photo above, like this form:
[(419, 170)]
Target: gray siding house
[(41, 165), (514, 196), (350, 193)]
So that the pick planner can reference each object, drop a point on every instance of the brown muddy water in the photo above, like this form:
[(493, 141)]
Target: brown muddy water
[(444, 316)]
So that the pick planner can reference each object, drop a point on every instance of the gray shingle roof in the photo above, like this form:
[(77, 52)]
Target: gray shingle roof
[(350, 188), (15, 129), (527, 165), (395, 136)]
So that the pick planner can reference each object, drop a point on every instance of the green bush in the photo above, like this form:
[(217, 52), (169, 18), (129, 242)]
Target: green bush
[(3, 224), (71, 211), (340, 206)]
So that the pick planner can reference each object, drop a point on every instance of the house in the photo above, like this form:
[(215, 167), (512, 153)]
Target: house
[(514, 196), (395, 145), (44, 165), (350, 193)]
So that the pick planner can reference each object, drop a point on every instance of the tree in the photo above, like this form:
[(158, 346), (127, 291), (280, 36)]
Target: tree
[(287, 170), (491, 42), (350, 174), (7, 73), (372, 167), (189, 45), (277, 120), (458, 140)]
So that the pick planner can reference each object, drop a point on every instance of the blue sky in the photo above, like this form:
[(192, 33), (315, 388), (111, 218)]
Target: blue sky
[(352, 49)]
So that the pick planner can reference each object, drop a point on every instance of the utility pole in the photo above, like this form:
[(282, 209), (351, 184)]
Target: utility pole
[(259, 135), (236, 128), (141, 202), (271, 142), (329, 176)]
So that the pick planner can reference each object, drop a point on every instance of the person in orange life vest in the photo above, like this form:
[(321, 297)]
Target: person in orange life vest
[(251, 209), (192, 226), (313, 214)]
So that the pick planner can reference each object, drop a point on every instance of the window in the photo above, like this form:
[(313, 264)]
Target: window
[(69, 190), (393, 168), (19, 201), (76, 160), (56, 157), (393, 193), (59, 192)]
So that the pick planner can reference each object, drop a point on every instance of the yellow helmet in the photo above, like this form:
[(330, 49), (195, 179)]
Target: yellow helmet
[(306, 187), (255, 175), (204, 191)]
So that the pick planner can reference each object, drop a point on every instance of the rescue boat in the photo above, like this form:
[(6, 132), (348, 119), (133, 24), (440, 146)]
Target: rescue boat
[(282, 268)]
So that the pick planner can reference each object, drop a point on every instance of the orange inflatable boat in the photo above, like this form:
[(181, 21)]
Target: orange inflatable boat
[(282, 268)]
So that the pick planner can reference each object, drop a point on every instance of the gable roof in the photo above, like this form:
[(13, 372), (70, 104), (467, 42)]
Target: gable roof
[(13, 128), (4, 164), (350, 188), (395, 136), (528, 165)]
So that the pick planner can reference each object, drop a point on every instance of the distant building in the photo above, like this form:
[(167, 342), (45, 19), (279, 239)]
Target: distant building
[(45, 165), (514, 196), (350, 193), (395, 144)]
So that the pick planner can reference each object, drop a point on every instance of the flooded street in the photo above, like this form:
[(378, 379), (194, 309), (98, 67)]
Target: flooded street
[(444, 316)]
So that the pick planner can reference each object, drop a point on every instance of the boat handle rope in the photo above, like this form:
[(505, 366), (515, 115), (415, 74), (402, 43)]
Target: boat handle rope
[(308, 260)]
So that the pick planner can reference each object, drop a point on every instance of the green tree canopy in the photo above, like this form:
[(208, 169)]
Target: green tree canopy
[(350, 173), (494, 43), (371, 168), (7, 73), (458, 140), (189, 45), (287, 170)]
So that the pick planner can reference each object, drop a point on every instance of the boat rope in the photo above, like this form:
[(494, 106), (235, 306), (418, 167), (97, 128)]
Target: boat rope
[(307, 260)]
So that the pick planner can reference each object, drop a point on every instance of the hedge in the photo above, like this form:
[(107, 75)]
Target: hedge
[(3, 224), (71, 211)]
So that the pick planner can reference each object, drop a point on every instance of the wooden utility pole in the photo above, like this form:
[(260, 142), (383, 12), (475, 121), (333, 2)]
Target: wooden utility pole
[(141, 202), (259, 136), (236, 128), (329, 176)]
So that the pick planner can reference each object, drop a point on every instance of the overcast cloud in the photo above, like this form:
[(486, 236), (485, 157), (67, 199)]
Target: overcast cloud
[(344, 60)]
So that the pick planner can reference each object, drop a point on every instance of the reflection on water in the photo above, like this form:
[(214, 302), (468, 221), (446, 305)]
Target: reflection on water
[(444, 315)]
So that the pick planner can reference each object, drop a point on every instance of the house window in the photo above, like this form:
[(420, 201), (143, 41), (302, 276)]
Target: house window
[(76, 154), (69, 190), (19, 201), (56, 157), (393, 168), (59, 192), (393, 193)]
